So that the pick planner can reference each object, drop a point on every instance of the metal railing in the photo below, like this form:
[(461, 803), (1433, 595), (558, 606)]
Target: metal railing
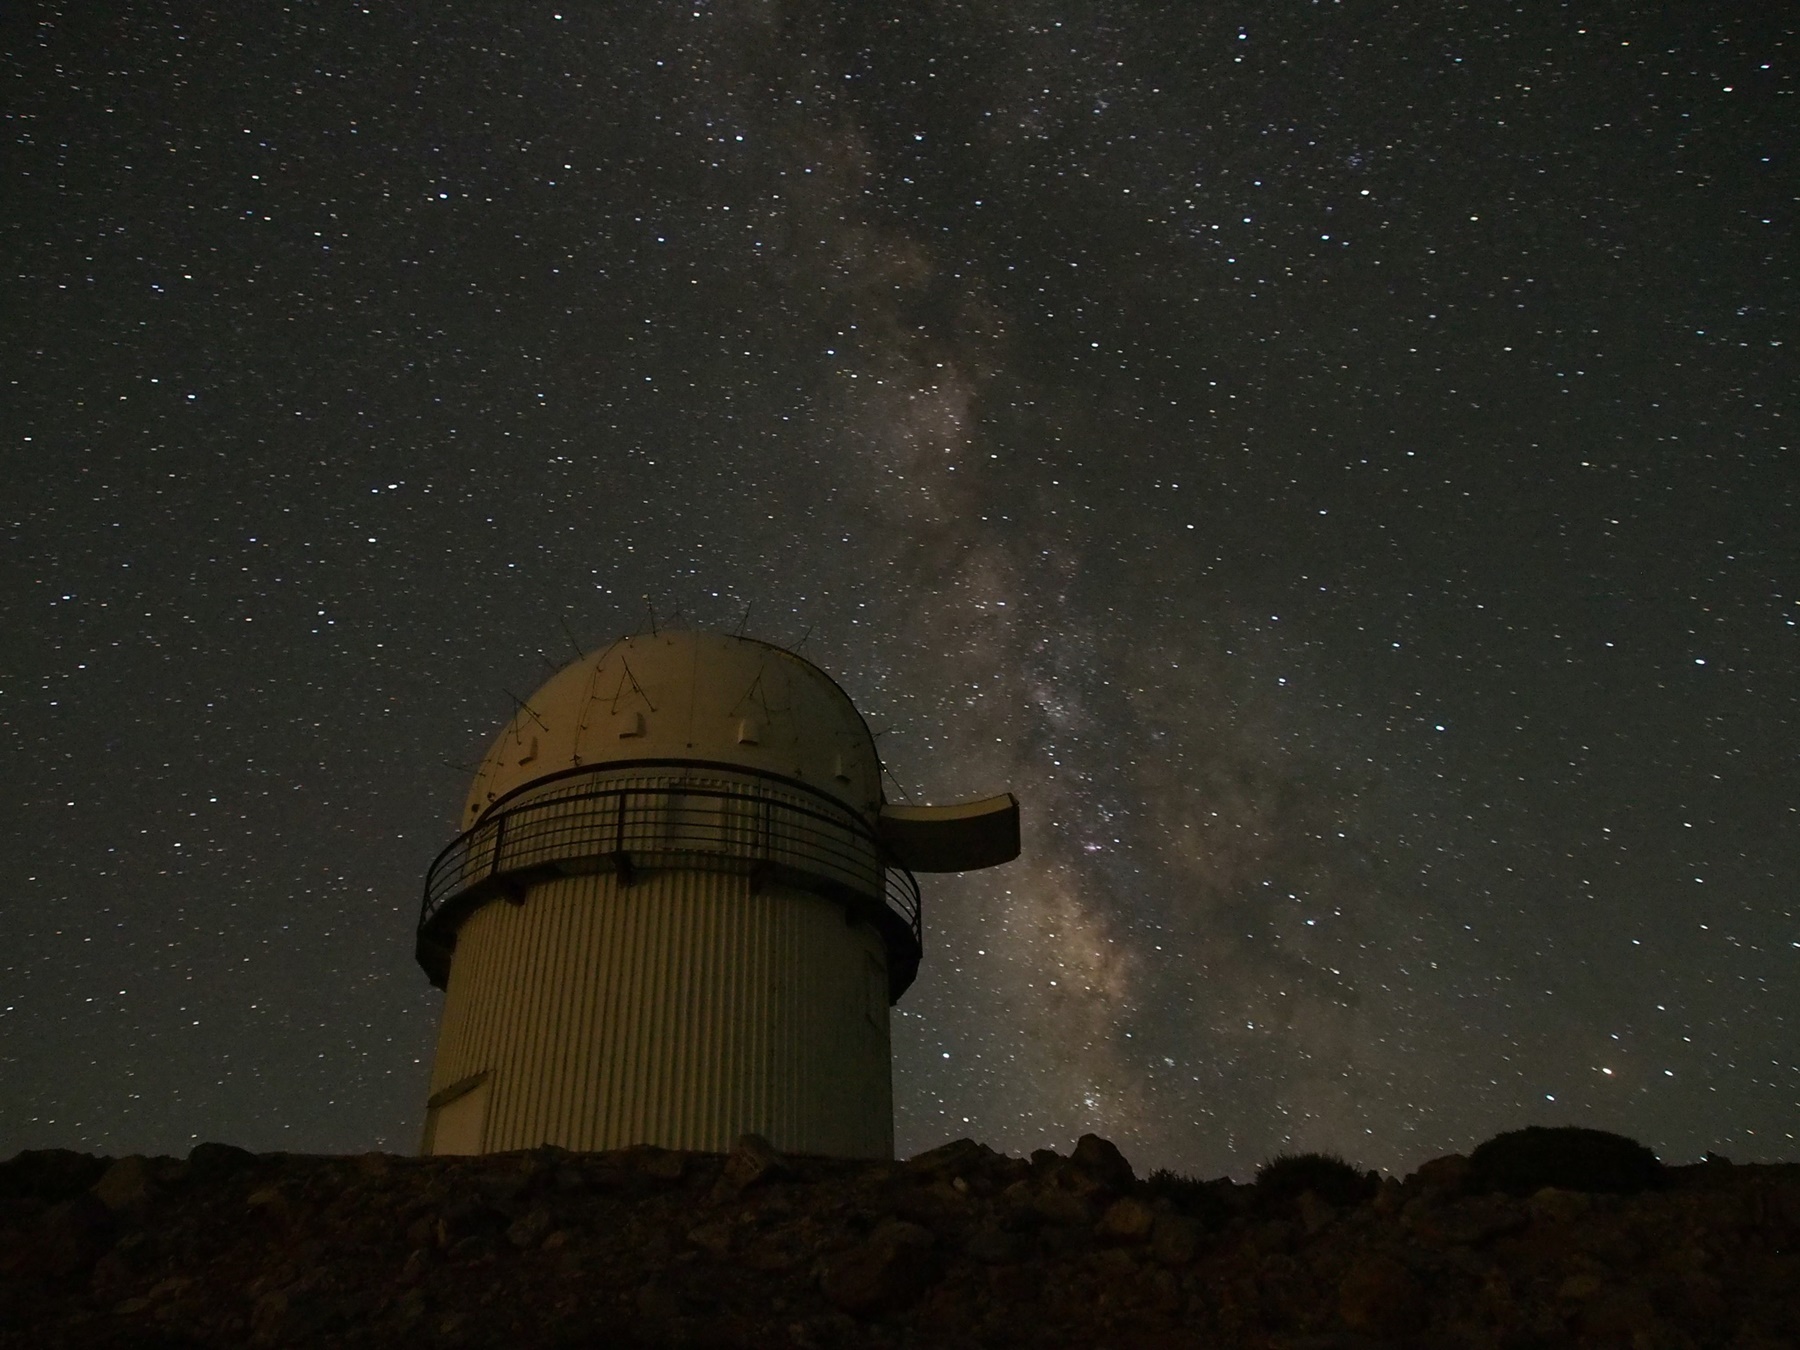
[(772, 830)]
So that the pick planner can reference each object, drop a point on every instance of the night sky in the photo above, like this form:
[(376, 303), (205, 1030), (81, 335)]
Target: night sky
[(1334, 462)]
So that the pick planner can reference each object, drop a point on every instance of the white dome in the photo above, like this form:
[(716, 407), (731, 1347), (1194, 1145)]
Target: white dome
[(686, 695)]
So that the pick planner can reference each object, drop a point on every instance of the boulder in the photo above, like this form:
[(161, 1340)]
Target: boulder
[(49, 1174), (887, 1272), (1380, 1296), (72, 1236), (1127, 1221), (211, 1161), (127, 1184), (960, 1157), (1102, 1161), (1175, 1241), (957, 1248), (752, 1159), (1446, 1173)]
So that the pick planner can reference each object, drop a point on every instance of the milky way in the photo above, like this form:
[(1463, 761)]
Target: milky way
[(1332, 463)]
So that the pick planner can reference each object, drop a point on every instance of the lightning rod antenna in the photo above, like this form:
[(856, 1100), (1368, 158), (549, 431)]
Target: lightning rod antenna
[(579, 654)]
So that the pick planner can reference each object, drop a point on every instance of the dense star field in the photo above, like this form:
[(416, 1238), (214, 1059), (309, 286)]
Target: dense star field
[(1334, 462)]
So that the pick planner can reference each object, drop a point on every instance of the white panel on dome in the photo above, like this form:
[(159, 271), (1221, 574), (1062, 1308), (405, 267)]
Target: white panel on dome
[(692, 696)]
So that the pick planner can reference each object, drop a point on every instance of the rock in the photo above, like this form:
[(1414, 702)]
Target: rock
[(502, 1193), (1111, 1264), (716, 1238), (49, 1174), (993, 1246), (1160, 1291), (1582, 1284), (1389, 1197), (72, 1236), (659, 1303), (531, 1228), (269, 1201), (119, 1271), (1621, 1316), (1380, 1296), (937, 1205), (660, 1164), (126, 1184), (545, 1248), (467, 1216), (1102, 1161), (1558, 1206), (409, 1307), (1447, 1173), (474, 1247), (1273, 1237), (958, 1158), (212, 1161), (886, 1273), (546, 1160), (1315, 1211), (1066, 1240), (1175, 1241), (268, 1314), (1128, 1220), (169, 1288), (1017, 1197), (752, 1159), (300, 1313), (826, 1329), (775, 1254), (1069, 1209), (1469, 1222)]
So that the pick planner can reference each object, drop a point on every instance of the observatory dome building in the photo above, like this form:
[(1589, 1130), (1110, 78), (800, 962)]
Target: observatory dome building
[(680, 909)]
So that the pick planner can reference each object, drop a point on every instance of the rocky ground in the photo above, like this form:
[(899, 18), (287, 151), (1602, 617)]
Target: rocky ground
[(958, 1247)]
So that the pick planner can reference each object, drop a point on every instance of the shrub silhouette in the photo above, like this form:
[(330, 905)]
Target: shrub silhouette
[(1568, 1157), (1188, 1194), (1289, 1175)]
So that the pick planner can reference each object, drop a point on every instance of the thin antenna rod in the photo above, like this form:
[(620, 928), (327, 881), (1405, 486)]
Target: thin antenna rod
[(905, 796), (579, 654), (804, 636), (743, 622), (542, 656), (525, 708), (652, 609)]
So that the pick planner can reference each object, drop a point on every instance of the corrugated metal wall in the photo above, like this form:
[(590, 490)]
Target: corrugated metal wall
[(679, 1010)]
